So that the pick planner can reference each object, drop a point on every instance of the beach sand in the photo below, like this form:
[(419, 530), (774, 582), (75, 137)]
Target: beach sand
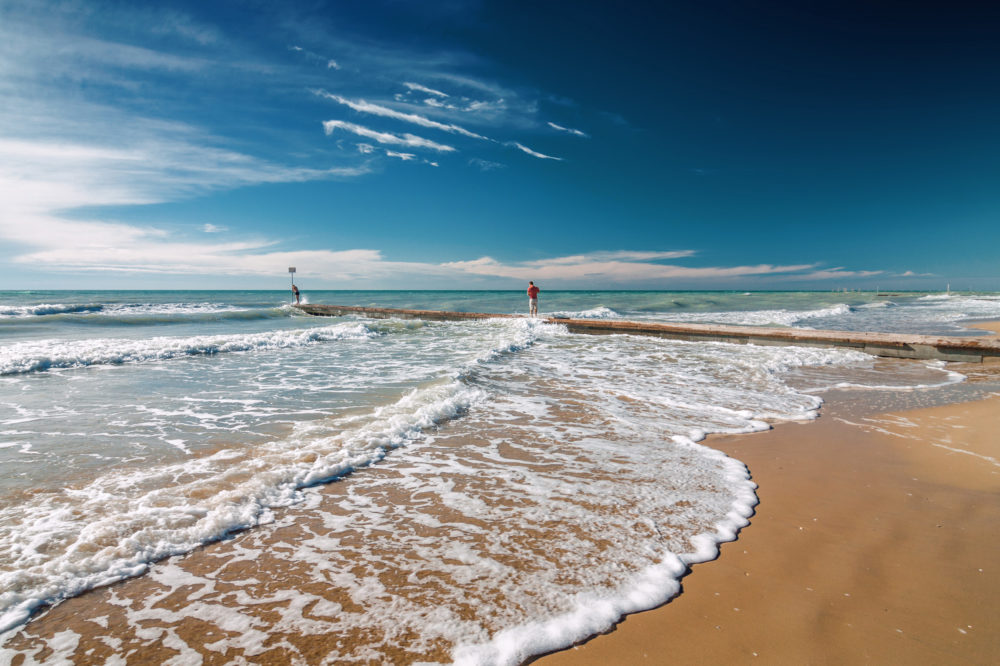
[(875, 541), (992, 326)]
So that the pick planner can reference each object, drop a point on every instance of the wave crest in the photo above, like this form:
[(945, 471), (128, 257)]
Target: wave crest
[(27, 357)]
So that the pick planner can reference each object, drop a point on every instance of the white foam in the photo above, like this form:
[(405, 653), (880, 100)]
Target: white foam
[(115, 526), (779, 317), (115, 309), (25, 357), (600, 312)]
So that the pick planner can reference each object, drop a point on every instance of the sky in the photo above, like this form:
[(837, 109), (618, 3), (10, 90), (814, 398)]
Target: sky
[(463, 144)]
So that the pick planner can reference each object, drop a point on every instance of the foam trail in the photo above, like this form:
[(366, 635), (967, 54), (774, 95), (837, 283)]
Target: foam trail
[(113, 527), (26, 357), (44, 309), (111, 532)]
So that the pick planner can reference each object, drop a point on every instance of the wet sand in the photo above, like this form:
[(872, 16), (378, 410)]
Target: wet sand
[(874, 542), (992, 326)]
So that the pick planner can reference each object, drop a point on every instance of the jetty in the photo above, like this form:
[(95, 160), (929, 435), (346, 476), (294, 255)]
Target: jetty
[(927, 347)]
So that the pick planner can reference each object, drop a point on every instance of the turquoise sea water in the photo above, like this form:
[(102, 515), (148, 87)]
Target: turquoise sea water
[(135, 425)]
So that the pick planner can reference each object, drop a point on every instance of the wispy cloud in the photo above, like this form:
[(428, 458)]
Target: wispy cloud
[(210, 228), (46, 183), (361, 106), (424, 89), (533, 153), (403, 156), (385, 137), (839, 273), (568, 130), (620, 267), (622, 255), (486, 165), (314, 57)]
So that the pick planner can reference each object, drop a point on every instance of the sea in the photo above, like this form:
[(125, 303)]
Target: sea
[(402, 491)]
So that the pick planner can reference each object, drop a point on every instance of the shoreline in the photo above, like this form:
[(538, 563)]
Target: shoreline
[(871, 544), (806, 461), (991, 326)]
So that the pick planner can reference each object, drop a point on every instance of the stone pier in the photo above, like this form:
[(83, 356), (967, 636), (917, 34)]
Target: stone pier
[(896, 345)]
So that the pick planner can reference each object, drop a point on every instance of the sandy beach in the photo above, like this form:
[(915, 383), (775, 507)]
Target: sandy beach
[(874, 542), (993, 327)]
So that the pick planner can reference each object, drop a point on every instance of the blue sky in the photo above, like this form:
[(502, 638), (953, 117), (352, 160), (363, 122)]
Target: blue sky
[(454, 144)]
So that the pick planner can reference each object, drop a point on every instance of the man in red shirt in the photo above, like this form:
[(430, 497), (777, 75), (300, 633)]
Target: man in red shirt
[(533, 299)]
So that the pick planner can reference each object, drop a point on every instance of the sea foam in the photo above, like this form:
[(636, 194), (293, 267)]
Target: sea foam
[(113, 527), (25, 357)]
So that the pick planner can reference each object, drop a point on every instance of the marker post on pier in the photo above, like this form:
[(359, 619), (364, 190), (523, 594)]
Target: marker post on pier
[(291, 273)]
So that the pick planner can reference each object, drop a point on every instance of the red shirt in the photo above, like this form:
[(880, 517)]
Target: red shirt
[(533, 291)]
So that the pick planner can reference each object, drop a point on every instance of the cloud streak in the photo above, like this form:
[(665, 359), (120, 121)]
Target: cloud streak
[(533, 153), (569, 130), (416, 87), (361, 106), (386, 138), (618, 267)]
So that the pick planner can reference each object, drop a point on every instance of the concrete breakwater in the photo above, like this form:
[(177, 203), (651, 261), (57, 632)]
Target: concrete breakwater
[(967, 350)]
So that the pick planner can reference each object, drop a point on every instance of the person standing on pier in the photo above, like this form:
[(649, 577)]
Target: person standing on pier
[(533, 299), (295, 290)]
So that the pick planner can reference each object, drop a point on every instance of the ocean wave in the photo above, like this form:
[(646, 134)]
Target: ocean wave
[(760, 317), (600, 312), (139, 313), (27, 357), (114, 527), (45, 309), (112, 532)]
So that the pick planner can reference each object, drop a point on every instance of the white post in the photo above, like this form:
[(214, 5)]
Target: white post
[(291, 273)]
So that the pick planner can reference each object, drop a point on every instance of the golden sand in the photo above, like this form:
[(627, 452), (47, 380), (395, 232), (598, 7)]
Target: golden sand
[(992, 326), (875, 541)]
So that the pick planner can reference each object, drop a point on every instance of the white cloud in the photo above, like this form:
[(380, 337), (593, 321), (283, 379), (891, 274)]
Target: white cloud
[(332, 64), (366, 148), (169, 22), (49, 176), (424, 89), (836, 273), (213, 229), (406, 157), (569, 130), (619, 267), (533, 153), (486, 165), (623, 255), (361, 106), (42, 181), (434, 103), (385, 137)]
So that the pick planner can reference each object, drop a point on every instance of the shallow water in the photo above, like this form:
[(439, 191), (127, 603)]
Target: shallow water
[(137, 425)]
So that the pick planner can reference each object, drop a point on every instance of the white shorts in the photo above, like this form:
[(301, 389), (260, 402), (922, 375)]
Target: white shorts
[(533, 303)]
